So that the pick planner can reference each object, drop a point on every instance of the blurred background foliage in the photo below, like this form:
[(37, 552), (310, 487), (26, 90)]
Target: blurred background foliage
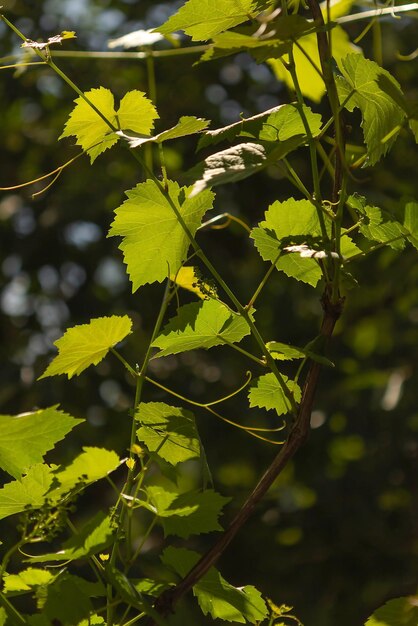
[(337, 535)]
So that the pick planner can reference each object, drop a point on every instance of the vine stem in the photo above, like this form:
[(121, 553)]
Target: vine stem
[(297, 437)]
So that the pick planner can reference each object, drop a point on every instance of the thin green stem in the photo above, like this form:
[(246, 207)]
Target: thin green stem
[(15, 65), (12, 612), (296, 181), (124, 362), (263, 281)]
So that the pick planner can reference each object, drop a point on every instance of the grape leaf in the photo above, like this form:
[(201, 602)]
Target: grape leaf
[(411, 222), (267, 393), (135, 113), (25, 438), (396, 612), (154, 242), (189, 278), (94, 537), (202, 19), (187, 125), (382, 117), (238, 162), (214, 594), (168, 431), (90, 465), (287, 220), (283, 351), (28, 492), (373, 227), (310, 81), (231, 42), (87, 344), (185, 514), (27, 579), (68, 599), (201, 325), (277, 124)]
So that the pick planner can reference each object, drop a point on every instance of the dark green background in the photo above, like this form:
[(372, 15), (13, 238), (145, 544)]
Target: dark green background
[(337, 535)]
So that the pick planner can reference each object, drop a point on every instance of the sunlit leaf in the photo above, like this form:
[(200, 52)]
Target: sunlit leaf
[(154, 243), (185, 514), (308, 63), (201, 325), (27, 579), (87, 344), (25, 438), (382, 117), (287, 221), (374, 228), (187, 125), (189, 278), (396, 612), (94, 537), (91, 465), (202, 19), (267, 393), (216, 597), (411, 222), (277, 124), (27, 493), (94, 133), (169, 431)]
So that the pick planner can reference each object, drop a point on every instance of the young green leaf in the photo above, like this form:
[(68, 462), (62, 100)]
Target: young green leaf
[(154, 243), (373, 227), (189, 278), (411, 222), (277, 124), (30, 492), (136, 113), (25, 438), (396, 612), (308, 63), (231, 42), (187, 125), (382, 117), (216, 597), (185, 514), (291, 221), (27, 580), (267, 393), (169, 431), (91, 465), (202, 19), (94, 537), (201, 325), (87, 344)]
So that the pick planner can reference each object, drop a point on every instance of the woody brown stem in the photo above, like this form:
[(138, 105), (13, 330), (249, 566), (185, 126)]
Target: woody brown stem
[(297, 437)]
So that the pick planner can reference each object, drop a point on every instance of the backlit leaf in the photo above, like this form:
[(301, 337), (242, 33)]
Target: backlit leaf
[(411, 222), (202, 19), (201, 325), (374, 228), (25, 438), (136, 113), (28, 492), (396, 612), (154, 243), (94, 537), (287, 221), (267, 393), (91, 465), (87, 344), (27, 579), (169, 431), (187, 125), (216, 597), (310, 81), (189, 278), (278, 124), (382, 117), (185, 514)]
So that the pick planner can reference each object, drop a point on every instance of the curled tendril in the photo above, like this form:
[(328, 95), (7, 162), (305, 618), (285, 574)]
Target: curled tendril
[(229, 218)]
